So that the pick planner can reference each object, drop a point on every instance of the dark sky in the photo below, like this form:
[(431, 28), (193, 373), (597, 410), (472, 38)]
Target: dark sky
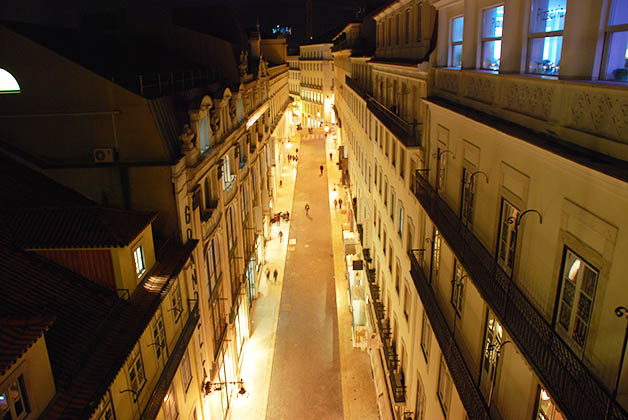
[(327, 14)]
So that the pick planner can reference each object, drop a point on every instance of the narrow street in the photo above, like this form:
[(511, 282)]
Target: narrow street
[(300, 361)]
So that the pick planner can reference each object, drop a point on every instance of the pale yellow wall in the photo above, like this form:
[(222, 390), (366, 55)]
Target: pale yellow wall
[(34, 365), (124, 264)]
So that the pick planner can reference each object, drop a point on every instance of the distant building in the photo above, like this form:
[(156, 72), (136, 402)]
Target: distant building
[(490, 192)]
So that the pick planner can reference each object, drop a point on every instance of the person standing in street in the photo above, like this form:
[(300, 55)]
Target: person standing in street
[(330, 155), (340, 203), (275, 275), (321, 168), (280, 236), (307, 209)]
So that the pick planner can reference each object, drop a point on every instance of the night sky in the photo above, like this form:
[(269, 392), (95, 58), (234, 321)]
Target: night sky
[(328, 15)]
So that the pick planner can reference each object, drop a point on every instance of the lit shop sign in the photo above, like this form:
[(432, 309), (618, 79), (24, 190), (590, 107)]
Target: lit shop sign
[(550, 14), (256, 115)]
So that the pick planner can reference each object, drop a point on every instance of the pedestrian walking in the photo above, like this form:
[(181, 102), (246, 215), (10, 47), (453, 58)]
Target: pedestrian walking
[(321, 168), (307, 209), (335, 203), (275, 275), (267, 273), (330, 155), (280, 236), (340, 203)]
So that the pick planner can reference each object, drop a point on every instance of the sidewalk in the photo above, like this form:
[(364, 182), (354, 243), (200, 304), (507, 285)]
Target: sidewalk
[(358, 389), (259, 350)]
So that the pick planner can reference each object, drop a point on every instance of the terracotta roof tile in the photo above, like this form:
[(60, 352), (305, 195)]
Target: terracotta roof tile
[(17, 336)]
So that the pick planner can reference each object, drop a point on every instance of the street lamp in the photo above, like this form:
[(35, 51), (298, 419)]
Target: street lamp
[(620, 311)]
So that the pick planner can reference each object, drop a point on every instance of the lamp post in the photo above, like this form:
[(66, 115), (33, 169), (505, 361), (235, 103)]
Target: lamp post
[(620, 311), (497, 348)]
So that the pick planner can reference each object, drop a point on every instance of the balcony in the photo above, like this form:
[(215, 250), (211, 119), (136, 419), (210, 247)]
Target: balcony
[(574, 387), (408, 133), (469, 393), (163, 384)]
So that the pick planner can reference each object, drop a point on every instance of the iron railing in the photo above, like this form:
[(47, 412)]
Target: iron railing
[(158, 84), (579, 394), (408, 133), (469, 393), (165, 379)]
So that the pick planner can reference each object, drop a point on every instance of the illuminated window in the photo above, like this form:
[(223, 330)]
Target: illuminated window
[(578, 284), (616, 66), (8, 84), (457, 288), (14, 402), (203, 133), (492, 342), (138, 256), (547, 409), (492, 26), (545, 39), (455, 48)]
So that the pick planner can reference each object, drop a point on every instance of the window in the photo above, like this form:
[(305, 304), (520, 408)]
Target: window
[(390, 260), (410, 236), (393, 199), (436, 254), (507, 243), (135, 367), (203, 134), (455, 48), (545, 40), (393, 153), (171, 411), (176, 301), (103, 412), (407, 302), (387, 143), (380, 180), (616, 66), (214, 270), (441, 166), (231, 240), (397, 276), (420, 400), (400, 220), (8, 84), (14, 402), (492, 342), (466, 199), (227, 176), (578, 284), (546, 408), (457, 288), (402, 163), (186, 371), (419, 26), (426, 337), (406, 29), (492, 26), (386, 192), (138, 256), (159, 335), (444, 387)]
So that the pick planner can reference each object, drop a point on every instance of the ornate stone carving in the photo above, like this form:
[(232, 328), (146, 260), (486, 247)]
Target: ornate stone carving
[(187, 137), (448, 80), (232, 109), (244, 63), (600, 113), (214, 119), (530, 99), (480, 88)]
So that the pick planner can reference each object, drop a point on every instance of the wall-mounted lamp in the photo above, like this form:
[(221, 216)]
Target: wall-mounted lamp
[(517, 220), (209, 387)]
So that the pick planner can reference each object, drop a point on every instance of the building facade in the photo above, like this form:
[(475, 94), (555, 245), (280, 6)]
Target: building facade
[(316, 84), (483, 161), (197, 143)]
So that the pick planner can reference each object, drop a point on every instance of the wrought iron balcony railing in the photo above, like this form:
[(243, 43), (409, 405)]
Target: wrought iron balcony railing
[(470, 395), (408, 133), (572, 385)]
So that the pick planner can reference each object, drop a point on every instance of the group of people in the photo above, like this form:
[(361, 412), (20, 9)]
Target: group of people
[(293, 158)]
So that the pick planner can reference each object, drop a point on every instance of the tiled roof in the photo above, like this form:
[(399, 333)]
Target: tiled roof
[(123, 331), (16, 337), (77, 227)]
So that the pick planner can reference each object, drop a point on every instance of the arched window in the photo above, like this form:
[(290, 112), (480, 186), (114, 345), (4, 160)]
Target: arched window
[(8, 84)]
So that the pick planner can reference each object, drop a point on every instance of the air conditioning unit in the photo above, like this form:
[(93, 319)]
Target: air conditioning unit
[(103, 155)]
